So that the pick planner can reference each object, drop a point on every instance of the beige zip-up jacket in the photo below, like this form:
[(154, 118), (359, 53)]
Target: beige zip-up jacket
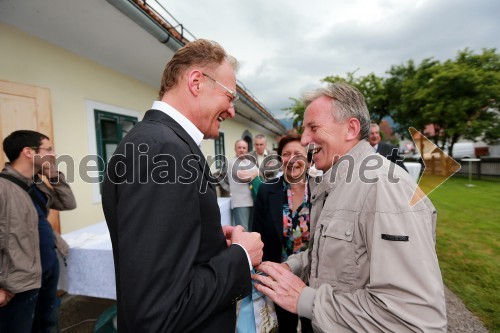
[(371, 265), (20, 268)]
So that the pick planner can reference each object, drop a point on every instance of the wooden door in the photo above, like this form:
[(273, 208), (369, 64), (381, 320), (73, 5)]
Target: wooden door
[(26, 107)]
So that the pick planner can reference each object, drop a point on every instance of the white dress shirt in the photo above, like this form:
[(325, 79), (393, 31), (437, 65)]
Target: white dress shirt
[(185, 123)]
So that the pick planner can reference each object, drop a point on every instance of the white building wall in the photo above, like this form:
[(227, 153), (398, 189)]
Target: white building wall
[(73, 81)]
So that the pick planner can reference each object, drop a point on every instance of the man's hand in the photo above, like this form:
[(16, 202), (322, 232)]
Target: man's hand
[(250, 241), (228, 231), (5, 297), (247, 176), (49, 167), (280, 284)]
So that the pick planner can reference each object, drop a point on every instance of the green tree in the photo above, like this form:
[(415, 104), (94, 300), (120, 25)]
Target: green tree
[(458, 96), (405, 103), (296, 110), (372, 87)]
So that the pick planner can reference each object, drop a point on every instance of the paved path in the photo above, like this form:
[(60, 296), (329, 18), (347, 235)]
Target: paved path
[(79, 313), (461, 320)]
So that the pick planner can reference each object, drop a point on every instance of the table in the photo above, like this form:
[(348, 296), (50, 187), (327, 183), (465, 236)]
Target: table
[(470, 160), (413, 169), (90, 268)]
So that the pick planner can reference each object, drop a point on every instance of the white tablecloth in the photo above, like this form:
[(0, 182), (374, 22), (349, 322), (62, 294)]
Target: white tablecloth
[(90, 268), (413, 169)]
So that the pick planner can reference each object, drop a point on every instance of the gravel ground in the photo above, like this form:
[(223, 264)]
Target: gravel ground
[(79, 314), (460, 319)]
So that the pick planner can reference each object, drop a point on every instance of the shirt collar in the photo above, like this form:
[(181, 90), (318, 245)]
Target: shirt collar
[(185, 123)]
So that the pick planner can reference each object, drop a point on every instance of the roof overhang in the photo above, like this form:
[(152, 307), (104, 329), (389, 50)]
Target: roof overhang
[(118, 34)]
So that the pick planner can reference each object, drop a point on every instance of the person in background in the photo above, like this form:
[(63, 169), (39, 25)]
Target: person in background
[(29, 270), (281, 216), (268, 164), (260, 148), (177, 269), (391, 152), (241, 172), (371, 265)]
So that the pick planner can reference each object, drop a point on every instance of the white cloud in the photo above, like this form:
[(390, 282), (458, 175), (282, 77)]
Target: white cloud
[(287, 47)]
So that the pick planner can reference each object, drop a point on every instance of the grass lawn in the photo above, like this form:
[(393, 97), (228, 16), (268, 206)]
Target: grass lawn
[(468, 244)]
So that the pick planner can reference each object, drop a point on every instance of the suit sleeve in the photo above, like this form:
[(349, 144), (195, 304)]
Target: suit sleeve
[(159, 231)]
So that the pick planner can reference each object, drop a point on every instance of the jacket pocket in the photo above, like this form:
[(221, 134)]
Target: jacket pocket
[(337, 259), (339, 229)]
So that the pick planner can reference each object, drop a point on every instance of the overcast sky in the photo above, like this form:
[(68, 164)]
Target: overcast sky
[(285, 47)]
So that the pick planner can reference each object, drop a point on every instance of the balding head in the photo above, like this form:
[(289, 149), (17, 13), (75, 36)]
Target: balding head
[(240, 148)]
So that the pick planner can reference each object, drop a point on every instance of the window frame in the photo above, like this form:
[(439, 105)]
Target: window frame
[(90, 108), (219, 144)]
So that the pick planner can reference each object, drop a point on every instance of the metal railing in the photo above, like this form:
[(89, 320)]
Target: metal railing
[(485, 167)]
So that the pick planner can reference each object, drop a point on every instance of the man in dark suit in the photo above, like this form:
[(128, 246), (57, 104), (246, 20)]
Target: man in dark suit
[(177, 269), (391, 152)]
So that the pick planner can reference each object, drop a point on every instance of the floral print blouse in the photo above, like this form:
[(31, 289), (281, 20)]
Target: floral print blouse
[(295, 225)]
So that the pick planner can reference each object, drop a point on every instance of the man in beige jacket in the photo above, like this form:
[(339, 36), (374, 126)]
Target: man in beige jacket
[(29, 268), (371, 265)]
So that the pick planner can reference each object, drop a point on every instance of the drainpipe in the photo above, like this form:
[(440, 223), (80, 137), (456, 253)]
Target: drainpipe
[(136, 14)]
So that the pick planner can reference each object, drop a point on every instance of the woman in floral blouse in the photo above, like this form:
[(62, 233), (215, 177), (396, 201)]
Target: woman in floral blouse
[(281, 215)]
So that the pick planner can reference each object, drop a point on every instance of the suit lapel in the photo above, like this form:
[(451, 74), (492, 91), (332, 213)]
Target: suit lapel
[(162, 117)]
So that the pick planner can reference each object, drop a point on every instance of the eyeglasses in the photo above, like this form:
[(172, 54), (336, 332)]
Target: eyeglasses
[(49, 150), (234, 95)]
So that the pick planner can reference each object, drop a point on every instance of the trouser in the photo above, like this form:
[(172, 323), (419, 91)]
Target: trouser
[(46, 312), (288, 322), (243, 216), (17, 315)]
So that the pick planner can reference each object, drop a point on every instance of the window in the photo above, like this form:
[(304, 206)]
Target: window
[(247, 136), (220, 151), (106, 125), (110, 130)]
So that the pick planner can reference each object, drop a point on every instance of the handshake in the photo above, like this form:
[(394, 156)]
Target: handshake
[(250, 241)]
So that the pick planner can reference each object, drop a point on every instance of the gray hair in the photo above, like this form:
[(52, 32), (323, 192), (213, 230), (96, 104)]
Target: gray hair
[(375, 126), (260, 136), (238, 141), (347, 102)]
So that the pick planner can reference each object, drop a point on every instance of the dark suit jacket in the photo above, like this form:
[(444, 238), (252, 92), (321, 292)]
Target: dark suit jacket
[(174, 271), (268, 218), (391, 152)]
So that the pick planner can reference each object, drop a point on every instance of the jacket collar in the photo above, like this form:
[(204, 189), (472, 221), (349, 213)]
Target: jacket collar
[(161, 117), (8, 169), (185, 123)]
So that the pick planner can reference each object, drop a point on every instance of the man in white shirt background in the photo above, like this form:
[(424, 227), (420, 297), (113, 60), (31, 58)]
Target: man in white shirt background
[(241, 171)]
